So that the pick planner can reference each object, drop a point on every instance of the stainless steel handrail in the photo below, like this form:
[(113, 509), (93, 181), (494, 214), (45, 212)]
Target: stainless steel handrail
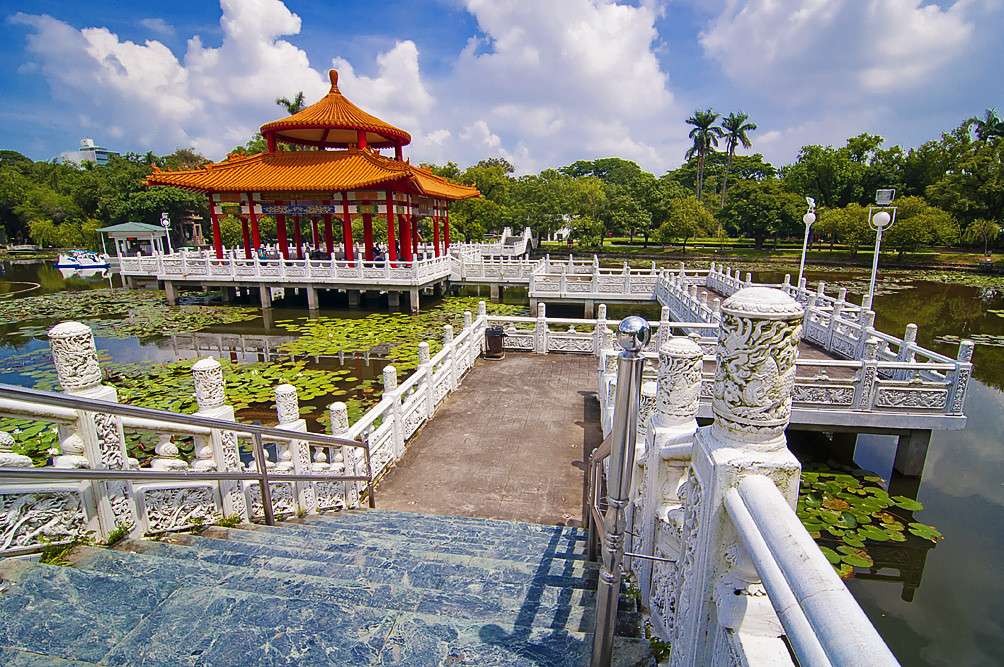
[(263, 476)]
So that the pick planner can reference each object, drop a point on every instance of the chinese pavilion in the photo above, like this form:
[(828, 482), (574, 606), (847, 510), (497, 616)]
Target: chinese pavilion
[(317, 186)]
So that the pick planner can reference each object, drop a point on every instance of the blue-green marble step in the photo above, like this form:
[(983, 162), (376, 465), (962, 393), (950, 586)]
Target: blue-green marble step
[(10, 657), (67, 613), (472, 536), (539, 606), (382, 517), (469, 573), (210, 626), (335, 540)]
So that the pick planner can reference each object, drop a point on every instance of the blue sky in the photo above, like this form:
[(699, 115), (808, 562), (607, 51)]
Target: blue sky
[(540, 83)]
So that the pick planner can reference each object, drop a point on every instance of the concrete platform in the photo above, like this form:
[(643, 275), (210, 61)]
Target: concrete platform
[(509, 444)]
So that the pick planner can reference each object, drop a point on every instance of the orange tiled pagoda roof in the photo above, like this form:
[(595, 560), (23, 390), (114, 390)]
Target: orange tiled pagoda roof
[(311, 171), (334, 122)]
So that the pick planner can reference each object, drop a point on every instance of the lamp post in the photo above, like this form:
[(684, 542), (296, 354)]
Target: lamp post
[(807, 219), (165, 222), (880, 221)]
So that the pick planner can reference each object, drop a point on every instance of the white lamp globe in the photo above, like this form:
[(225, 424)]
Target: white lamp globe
[(881, 219), (809, 218)]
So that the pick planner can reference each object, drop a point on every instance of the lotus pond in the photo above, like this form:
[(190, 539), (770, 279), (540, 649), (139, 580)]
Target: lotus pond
[(922, 556)]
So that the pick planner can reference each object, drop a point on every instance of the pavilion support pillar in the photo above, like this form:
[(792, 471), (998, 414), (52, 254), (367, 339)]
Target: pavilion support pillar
[(367, 236), (246, 236), (265, 294), (413, 223), (297, 237), (495, 290), (587, 309), (393, 300), (911, 453), (280, 232), (415, 302), (435, 230), (446, 229), (329, 241), (404, 236), (312, 302), (315, 236), (170, 293), (391, 243), (347, 248), (255, 230), (354, 295), (217, 236)]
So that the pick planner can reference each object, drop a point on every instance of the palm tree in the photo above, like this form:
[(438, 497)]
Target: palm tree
[(989, 126), (735, 128), (292, 106), (705, 136)]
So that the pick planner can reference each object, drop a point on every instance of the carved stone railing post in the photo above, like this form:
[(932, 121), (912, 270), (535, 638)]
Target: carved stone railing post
[(167, 455), (663, 334), (394, 412), (864, 389), (451, 357), (425, 380), (540, 330), (295, 453), (76, 361), (961, 375), (669, 439), (867, 323), (716, 594), (223, 454), (600, 329), (346, 460), (906, 351), (835, 321)]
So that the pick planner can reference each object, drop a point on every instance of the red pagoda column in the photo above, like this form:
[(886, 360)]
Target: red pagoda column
[(413, 222), (253, 217), (404, 235), (368, 235), (435, 228), (217, 237), (297, 237), (446, 228), (246, 237), (280, 232), (391, 245), (329, 243), (347, 229)]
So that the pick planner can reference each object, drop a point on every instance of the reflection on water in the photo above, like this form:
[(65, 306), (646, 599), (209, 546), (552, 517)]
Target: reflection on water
[(935, 606)]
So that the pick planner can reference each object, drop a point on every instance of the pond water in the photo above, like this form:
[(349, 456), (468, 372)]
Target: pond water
[(935, 604)]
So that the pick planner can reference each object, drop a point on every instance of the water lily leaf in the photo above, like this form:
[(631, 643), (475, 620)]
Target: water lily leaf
[(855, 557), (831, 555), (851, 539), (909, 504), (835, 504), (926, 532), (873, 533)]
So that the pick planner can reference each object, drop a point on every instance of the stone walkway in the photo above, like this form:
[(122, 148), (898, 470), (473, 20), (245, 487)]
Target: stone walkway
[(509, 444)]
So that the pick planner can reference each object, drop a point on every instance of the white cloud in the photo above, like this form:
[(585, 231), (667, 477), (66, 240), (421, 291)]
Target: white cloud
[(542, 84), (159, 26)]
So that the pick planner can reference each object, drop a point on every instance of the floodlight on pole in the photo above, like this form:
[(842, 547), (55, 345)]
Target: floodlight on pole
[(165, 222), (807, 220), (880, 220)]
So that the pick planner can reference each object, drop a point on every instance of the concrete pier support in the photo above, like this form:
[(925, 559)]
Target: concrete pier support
[(312, 299), (265, 294), (227, 294), (393, 300), (495, 290), (170, 293), (414, 300), (587, 310), (353, 298), (911, 452)]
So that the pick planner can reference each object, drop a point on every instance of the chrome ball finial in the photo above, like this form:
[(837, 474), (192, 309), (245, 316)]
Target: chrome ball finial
[(633, 333)]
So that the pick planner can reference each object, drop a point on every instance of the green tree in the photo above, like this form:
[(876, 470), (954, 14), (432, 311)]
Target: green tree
[(983, 231), (292, 106), (231, 231), (688, 217), (44, 232), (736, 128), (760, 209), (919, 225), (848, 224), (989, 126), (705, 137), (974, 186)]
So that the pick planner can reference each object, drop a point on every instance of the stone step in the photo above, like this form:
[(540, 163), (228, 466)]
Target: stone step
[(471, 535), (382, 517), (417, 569), (334, 540), (130, 621), (543, 606)]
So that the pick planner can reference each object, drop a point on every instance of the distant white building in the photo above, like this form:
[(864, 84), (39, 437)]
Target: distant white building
[(89, 152)]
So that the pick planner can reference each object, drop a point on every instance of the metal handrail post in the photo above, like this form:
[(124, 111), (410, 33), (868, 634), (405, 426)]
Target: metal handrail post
[(632, 334), (370, 496), (266, 492)]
